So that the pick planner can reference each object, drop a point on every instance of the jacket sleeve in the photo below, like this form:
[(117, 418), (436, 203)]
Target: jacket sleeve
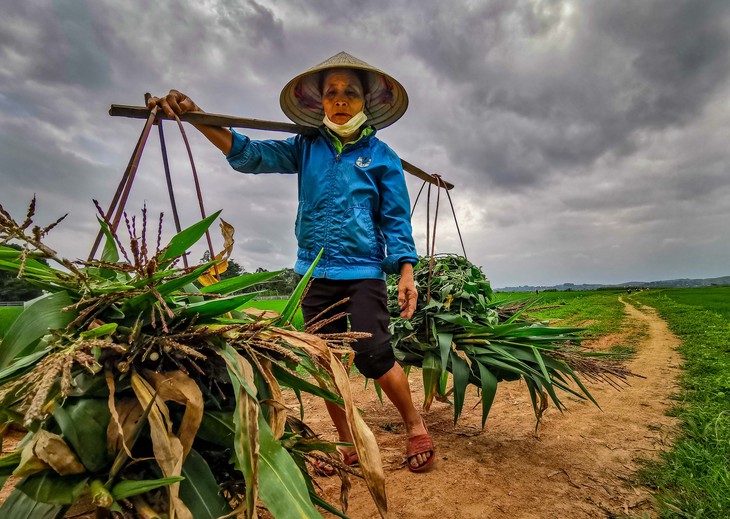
[(268, 156), (395, 218)]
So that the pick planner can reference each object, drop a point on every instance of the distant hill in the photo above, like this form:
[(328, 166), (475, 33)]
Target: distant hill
[(671, 283)]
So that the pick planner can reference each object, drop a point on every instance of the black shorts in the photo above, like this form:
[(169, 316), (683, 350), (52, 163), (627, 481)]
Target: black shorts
[(368, 309)]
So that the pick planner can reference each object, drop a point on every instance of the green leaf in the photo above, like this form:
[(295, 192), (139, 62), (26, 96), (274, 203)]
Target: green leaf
[(216, 307), (445, 340), (41, 315), (287, 379), (19, 506), (378, 391), (83, 424), (192, 289), (460, 370), (217, 427), (182, 241), (282, 487), (169, 287), (165, 288), (237, 283), (8, 462), (53, 489), (110, 254), (293, 303), (245, 420), (100, 331), (324, 504), (33, 268), (200, 491), (128, 487), (489, 389), (19, 366), (431, 374)]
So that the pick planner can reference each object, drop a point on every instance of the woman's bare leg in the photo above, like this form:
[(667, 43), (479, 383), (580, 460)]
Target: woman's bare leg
[(395, 384), (396, 387)]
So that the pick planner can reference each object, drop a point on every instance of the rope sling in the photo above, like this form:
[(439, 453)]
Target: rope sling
[(119, 201), (431, 238)]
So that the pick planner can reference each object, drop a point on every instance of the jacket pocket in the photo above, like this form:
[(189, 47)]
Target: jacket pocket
[(358, 233)]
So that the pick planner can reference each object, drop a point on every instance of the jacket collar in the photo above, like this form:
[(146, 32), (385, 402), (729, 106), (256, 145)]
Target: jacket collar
[(362, 141)]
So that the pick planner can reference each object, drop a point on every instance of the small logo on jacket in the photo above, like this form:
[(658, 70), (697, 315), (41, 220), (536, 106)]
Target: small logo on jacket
[(363, 162)]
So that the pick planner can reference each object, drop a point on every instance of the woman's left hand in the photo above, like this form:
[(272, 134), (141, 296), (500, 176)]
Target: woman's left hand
[(407, 293)]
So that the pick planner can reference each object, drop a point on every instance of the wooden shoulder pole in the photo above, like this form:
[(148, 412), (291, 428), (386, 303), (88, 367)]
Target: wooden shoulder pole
[(142, 112)]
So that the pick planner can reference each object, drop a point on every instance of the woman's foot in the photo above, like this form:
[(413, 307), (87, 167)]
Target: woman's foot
[(420, 446), (349, 456)]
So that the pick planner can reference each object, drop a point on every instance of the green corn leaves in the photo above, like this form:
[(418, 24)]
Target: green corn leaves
[(459, 328), (123, 360), (46, 312)]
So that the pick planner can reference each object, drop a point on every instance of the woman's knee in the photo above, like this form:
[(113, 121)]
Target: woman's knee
[(375, 363)]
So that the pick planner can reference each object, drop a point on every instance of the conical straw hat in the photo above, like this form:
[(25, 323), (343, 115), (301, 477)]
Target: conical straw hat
[(301, 98)]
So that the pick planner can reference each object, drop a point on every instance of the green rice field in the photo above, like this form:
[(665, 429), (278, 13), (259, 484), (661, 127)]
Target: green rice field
[(693, 479), (8, 314), (600, 312)]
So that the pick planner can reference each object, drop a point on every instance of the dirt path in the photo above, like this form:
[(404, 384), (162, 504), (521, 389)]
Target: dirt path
[(578, 465)]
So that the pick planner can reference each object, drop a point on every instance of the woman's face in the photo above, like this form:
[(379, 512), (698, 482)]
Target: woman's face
[(342, 95)]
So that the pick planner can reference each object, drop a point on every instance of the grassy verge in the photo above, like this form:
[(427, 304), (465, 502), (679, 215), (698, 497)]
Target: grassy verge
[(8, 314), (693, 479), (600, 312)]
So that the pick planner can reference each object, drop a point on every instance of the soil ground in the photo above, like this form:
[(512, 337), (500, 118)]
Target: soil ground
[(578, 465)]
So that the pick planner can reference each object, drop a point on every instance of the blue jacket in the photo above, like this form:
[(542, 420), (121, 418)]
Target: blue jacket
[(354, 205)]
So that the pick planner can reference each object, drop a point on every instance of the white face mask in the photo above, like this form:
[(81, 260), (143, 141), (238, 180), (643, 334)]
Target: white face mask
[(349, 128)]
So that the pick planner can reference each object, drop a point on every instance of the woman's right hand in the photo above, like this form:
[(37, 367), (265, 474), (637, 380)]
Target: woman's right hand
[(174, 102), (177, 103)]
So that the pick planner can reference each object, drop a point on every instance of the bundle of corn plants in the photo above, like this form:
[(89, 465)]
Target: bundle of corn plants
[(460, 328), (152, 397)]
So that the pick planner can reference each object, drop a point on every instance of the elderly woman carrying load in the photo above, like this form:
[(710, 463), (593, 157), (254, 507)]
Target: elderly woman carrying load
[(353, 203)]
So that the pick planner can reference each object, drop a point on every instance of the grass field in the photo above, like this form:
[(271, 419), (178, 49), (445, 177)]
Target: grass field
[(8, 314), (600, 312), (693, 480), (715, 299), (277, 305)]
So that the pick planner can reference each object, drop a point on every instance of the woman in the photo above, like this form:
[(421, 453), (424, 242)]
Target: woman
[(353, 203)]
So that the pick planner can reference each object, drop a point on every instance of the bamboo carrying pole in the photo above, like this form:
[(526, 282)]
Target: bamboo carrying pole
[(142, 112)]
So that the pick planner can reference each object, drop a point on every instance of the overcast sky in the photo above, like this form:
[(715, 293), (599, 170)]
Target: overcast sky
[(588, 140)]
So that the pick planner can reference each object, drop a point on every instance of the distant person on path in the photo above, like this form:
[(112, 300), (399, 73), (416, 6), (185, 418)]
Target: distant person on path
[(353, 203)]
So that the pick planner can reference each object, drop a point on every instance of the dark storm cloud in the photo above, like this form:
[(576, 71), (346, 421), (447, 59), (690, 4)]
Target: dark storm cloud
[(583, 137), (546, 90), (60, 40)]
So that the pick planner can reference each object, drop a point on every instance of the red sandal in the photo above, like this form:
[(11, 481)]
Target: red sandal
[(420, 444)]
